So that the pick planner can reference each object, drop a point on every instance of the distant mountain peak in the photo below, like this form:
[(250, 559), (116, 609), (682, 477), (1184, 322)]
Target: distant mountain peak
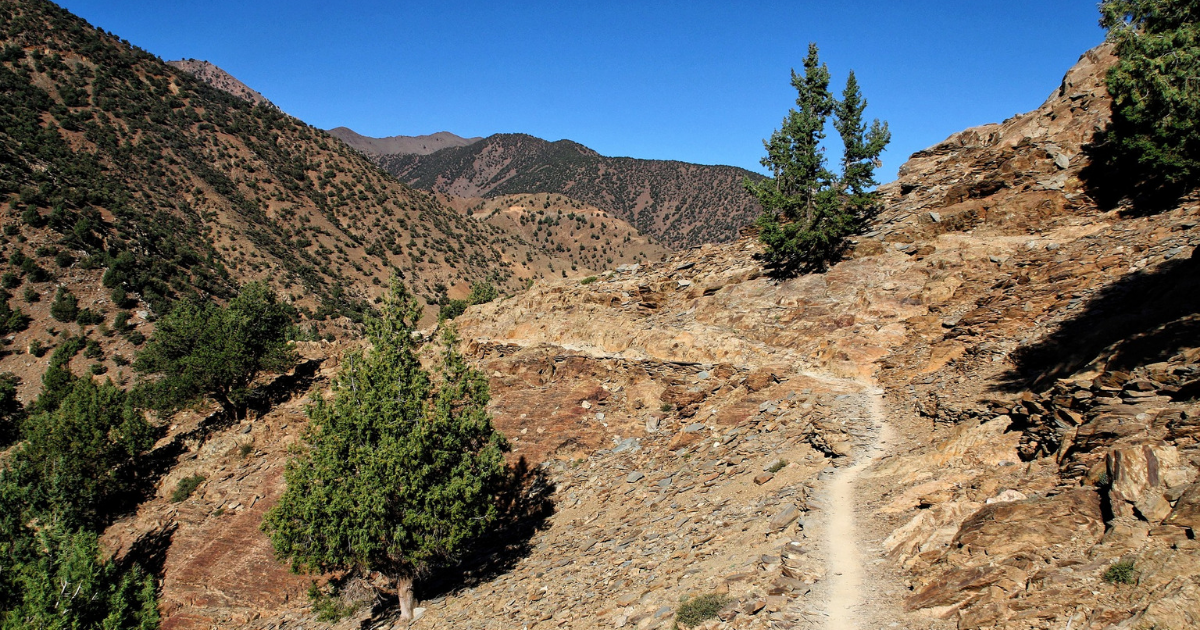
[(214, 76), (400, 145)]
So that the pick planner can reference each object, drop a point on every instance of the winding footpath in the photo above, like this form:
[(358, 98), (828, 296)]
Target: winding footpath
[(842, 544)]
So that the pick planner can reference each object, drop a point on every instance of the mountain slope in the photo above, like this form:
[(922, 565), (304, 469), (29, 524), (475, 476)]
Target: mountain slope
[(119, 172), (679, 204), (414, 145)]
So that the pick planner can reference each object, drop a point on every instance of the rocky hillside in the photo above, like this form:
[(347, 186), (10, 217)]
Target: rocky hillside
[(548, 236), (679, 204), (408, 145), (985, 418), (219, 79)]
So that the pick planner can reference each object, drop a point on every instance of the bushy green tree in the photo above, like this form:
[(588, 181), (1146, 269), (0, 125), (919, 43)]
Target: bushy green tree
[(1154, 138), (78, 455), (58, 488), (400, 469), (482, 292), (808, 210), (65, 307), (203, 349), (62, 584), (11, 409)]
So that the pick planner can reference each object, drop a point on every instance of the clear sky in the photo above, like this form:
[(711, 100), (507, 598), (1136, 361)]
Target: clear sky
[(693, 80)]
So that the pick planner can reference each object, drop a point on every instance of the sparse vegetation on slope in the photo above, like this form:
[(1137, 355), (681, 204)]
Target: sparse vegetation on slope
[(679, 204)]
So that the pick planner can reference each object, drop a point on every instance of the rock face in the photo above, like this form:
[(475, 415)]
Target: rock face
[(1040, 373)]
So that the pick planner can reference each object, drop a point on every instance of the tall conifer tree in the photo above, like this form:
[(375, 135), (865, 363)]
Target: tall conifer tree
[(809, 211)]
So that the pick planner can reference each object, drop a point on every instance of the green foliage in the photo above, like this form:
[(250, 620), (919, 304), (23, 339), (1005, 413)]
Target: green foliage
[(78, 452), (588, 280), (451, 309), (693, 612), (11, 319), (777, 466), (400, 469), (65, 307), (186, 487), (328, 607), (10, 280), (71, 474), (809, 211), (482, 292), (57, 380), (1154, 138), (59, 582), (1121, 572), (11, 410), (204, 349)]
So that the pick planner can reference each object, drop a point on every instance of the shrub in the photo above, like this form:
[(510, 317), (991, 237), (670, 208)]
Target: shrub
[(1120, 572), (64, 259), (329, 607), (588, 280), (65, 307), (36, 348), (482, 293), (777, 466), (186, 487), (452, 309), (31, 295), (10, 280), (88, 317), (693, 612), (204, 349)]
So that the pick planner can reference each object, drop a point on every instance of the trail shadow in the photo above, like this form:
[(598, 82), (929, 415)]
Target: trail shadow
[(149, 468), (1144, 317), (150, 551), (525, 504)]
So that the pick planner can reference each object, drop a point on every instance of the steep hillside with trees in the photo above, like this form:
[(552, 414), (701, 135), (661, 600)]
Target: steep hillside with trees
[(679, 204)]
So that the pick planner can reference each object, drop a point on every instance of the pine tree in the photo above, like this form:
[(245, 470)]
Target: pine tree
[(400, 469), (1154, 139), (808, 211)]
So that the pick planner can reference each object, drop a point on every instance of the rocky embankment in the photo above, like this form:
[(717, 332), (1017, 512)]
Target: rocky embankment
[(1001, 379)]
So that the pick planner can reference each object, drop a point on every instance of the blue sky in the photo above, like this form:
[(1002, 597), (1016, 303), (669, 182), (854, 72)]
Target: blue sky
[(696, 81)]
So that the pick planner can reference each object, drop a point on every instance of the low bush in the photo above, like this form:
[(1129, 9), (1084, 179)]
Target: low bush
[(1120, 572), (693, 612), (186, 487)]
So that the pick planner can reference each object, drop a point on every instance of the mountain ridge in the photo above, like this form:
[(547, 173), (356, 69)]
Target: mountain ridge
[(678, 203), (414, 145)]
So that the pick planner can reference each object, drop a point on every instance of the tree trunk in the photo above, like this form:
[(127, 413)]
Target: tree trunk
[(404, 588)]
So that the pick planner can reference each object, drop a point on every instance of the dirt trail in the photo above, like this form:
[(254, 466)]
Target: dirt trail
[(842, 544)]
